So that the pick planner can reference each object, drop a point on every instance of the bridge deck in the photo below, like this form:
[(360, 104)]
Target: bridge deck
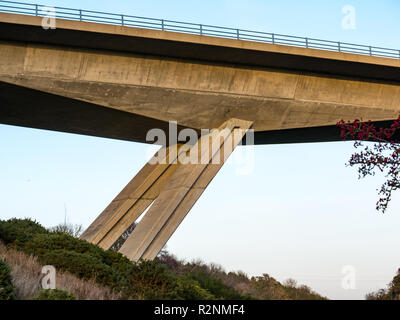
[(288, 82)]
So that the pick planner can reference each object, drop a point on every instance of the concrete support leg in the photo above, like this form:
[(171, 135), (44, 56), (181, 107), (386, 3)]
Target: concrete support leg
[(132, 201), (170, 189)]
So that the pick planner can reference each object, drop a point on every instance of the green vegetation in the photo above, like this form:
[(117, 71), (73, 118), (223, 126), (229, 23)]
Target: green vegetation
[(163, 278), (54, 295), (7, 291)]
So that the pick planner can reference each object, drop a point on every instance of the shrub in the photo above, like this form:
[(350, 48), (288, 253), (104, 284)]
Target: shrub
[(42, 243), (189, 289), (54, 294), (7, 290), (213, 285), (82, 265), (151, 280), (70, 229), (163, 278), (392, 292), (18, 231)]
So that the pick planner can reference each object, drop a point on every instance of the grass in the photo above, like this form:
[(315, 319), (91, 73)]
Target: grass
[(26, 274)]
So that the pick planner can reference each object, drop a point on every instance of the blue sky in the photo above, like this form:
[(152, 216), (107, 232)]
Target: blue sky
[(300, 214)]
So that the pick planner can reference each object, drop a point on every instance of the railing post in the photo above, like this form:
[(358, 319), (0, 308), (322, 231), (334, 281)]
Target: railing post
[(36, 10), (339, 48), (399, 54), (201, 29), (306, 42), (238, 34), (122, 20), (273, 38), (162, 25), (370, 50), (80, 15)]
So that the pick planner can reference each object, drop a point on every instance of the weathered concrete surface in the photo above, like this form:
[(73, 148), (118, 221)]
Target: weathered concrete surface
[(130, 203), (181, 191), (304, 88)]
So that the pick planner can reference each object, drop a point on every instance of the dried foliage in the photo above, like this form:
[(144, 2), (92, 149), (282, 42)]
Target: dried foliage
[(392, 292), (26, 274), (233, 284)]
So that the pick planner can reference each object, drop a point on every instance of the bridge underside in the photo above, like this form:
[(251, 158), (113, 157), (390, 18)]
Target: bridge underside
[(119, 83), (58, 113)]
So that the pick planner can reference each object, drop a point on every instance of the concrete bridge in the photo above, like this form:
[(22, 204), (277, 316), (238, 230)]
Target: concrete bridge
[(119, 82)]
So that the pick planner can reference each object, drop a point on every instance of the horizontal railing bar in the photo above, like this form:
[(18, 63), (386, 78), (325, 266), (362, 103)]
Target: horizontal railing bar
[(177, 30), (322, 48), (143, 22), (217, 27), (390, 50), (69, 18), (195, 28), (102, 21), (180, 22), (106, 18), (266, 38), (321, 40), (181, 27), (351, 48), (287, 36), (60, 8), (219, 32), (327, 45), (142, 18), (353, 51), (287, 43), (13, 7), (354, 45), (384, 52), (26, 4), (257, 32), (217, 35), (141, 26), (105, 13), (246, 37), (289, 40), (68, 14), (12, 11)]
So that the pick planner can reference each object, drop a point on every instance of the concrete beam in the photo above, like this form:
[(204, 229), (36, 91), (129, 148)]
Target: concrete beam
[(59, 88), (132, 201), (181, 192), (27, 29)]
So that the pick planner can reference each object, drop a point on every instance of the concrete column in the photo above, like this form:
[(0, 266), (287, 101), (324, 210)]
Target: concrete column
[(181, 192), (132, 201)]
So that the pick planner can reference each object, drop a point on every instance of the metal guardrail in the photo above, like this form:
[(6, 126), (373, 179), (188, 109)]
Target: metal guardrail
[(194, 28)]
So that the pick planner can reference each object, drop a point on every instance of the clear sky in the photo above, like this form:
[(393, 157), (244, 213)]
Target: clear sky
[(299, 214)]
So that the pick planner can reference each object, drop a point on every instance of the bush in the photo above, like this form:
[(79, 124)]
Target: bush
[(70, 229), (163, 278), (54, 294), (392, 292), (7, 290), (144, 280), (42, 243), (82, 265), (19, 231), (189, 289), (215, 286)]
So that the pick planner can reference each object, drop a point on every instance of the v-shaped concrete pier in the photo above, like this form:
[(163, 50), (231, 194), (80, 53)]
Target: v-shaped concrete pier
[(120, 82)]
